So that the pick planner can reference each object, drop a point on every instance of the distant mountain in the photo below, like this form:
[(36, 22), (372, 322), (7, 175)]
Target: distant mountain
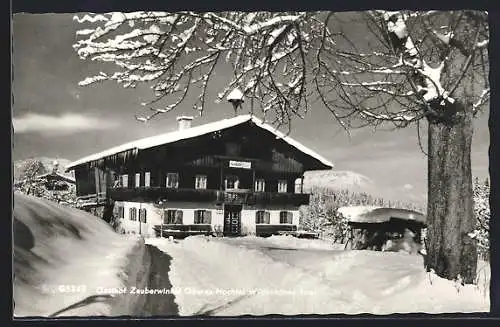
[(45, 165), (337, 179)]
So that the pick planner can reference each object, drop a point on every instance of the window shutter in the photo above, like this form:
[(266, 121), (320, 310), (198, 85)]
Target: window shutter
[(267, 217), (208, 217), (144, 215), (289, 217), (257, 213), (178, 216), (130, 216), (165, 217)]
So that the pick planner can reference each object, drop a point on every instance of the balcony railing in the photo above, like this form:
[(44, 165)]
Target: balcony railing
[(90, 200), (247, 197), (161, 193)]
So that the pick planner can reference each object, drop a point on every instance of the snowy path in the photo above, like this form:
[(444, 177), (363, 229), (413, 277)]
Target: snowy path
[(158, 304), (279, 275)]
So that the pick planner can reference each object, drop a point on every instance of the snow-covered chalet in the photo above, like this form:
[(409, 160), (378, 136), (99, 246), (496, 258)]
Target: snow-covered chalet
[(235, 176)]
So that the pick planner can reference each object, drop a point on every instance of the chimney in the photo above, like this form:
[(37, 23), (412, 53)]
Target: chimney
[(184, 122)]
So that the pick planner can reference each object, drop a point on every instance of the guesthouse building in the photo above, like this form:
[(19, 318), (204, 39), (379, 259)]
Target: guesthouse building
[(235, 176)]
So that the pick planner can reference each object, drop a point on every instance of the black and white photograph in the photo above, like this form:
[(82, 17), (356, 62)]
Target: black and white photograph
[(250, 163)]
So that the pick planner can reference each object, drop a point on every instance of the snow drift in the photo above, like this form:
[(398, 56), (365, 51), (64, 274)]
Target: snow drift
[(282, 275), (64, 256)]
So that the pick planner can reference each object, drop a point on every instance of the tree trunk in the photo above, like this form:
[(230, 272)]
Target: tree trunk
[(451, 253)]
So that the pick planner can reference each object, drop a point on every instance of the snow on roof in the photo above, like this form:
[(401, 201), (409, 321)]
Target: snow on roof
[(354, 212), (185, 118), (66, 178), (235, 94), (374, 214), (195, 131), (61, 176)]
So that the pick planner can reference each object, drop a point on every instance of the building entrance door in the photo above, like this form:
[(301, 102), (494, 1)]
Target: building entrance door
[(232, 220)]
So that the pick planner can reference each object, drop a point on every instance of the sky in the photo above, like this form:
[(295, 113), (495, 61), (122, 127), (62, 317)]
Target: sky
[(54, 117)]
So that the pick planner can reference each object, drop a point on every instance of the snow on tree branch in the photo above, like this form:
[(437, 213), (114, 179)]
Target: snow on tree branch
[(483, 98), (414, 64), (174, 52), (411, 72)]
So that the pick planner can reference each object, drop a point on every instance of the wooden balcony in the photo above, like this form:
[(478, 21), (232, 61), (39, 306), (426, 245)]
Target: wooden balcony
[(150, 194), (91, 200), (247, 197), (253, 198)]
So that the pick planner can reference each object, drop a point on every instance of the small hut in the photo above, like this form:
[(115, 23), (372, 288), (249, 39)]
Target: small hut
[(55, 181), (372, 228), (52, 181)]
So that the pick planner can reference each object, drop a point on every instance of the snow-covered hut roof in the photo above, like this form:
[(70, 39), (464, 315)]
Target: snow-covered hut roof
[(374, 214), (58, 176), (195, 131)]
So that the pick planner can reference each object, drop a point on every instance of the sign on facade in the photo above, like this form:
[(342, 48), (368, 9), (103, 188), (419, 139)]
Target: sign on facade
[(240, 164)]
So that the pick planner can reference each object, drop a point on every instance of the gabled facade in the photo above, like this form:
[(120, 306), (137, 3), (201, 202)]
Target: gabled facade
[(234, 177)]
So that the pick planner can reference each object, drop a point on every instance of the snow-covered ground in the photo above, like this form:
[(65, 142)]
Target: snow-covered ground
[(286, 275), (63, 256)]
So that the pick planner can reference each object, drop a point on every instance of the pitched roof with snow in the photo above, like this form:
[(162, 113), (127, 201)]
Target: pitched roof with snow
[(373, 214), (195, 131), (59, 176)]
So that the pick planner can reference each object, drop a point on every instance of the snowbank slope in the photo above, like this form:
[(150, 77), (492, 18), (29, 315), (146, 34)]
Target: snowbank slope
[(64, 255)]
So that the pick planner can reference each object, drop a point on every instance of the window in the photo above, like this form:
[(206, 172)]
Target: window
[(262, 217), (202, 217), (133, 214), (172, 180), (231, 182), (137, 179), (142, 215), (125, 180), (147, 179), (172, 216), (282, 186), (286, 217), (260, 185), (201, 182), (298, 185), (120, 212)]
